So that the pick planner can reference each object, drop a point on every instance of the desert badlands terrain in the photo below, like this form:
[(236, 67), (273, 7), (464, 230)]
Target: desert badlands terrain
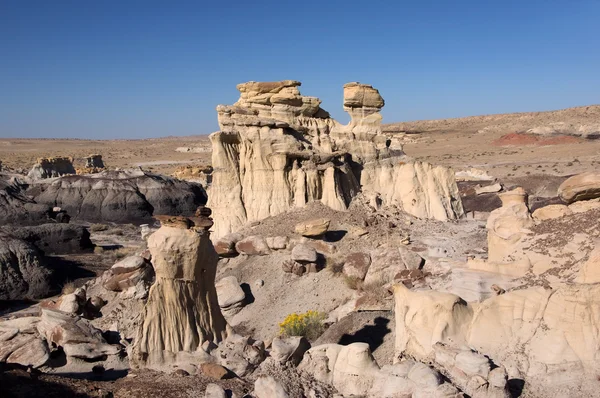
[(288, 255)]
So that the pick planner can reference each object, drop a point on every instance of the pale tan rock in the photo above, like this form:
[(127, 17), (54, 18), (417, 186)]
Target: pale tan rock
[(313, 228), (590, 270), (493, 188), (230, 295), (304, 254), (52, 167), (582, 186), (289, 349), (277, 242), (253, 246), (268, 387), (182, 310), (508, 225), (358, 95), (24, 349), (424, 318), (584, 205), (214, 391), (550, 212)]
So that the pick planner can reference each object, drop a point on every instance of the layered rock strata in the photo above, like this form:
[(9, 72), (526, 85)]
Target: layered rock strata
[(182, 311), (52, 167), (278, 149)]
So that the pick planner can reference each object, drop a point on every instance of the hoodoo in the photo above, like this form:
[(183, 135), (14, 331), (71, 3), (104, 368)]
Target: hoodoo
[(278, 149), (182, 311)]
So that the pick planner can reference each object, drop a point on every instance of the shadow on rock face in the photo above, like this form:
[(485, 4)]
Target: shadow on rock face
[(370, 334), (515, 386), (66, 270), (249, 299), (335, 236)]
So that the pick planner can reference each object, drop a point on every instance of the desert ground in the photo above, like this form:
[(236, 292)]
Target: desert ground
[(444, 258)]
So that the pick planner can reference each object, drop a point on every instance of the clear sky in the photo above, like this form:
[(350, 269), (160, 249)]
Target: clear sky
[(133, 69)]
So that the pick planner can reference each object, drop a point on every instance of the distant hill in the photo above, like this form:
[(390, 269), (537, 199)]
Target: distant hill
[(582, 121)]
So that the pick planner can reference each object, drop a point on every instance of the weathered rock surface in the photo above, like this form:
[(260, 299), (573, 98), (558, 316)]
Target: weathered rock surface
[(550, 212), (304, 254), (546, 336), (52, 167), (253, 246), (268, 387), (120, 196), (133, 272), (313, 228), (357, 264), (23, 270), (230, 295), (278, 149), (289, 349), (16, 207), (182, 311), (580, 187), (240, 354), (352, 371), (508, 225)]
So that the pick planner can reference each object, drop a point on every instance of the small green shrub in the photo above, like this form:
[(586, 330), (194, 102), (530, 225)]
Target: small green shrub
[(310, 325), (353, 282), (68, 288)]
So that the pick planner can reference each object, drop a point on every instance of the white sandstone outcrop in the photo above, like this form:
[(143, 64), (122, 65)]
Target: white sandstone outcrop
[(549, 337), (278, 149), (52, 167)]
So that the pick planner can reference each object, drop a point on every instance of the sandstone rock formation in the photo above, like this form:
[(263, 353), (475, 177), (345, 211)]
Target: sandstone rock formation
[(94, 162), (278, 149), (23, 271), (120, 196), (352, 371), (549, 337), (507, 225), (52, 167), (182, 311), (580, 187)]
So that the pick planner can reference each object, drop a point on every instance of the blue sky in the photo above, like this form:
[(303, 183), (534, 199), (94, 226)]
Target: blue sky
[(133, 69)]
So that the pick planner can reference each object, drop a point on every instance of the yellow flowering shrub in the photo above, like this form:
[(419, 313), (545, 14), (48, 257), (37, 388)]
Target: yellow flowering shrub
[(310, 325)]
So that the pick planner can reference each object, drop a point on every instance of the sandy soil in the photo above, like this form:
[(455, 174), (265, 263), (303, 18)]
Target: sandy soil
[(158, 155)]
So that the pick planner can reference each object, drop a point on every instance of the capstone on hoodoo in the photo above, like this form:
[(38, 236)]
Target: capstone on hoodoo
[(278, 149)]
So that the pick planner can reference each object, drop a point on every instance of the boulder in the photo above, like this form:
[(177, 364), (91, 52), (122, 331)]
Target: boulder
[(253, 246), (277, 242), (214, 371), (240, 354), (230, 295), (268, 387), (493, 188), (289, 349), (550, 212), (214, 391), (225, 246), (357, 264), (304, 254), (23, 270), (582, 186), (131, 272), (24, 349), (313, 228), (128, 264)]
